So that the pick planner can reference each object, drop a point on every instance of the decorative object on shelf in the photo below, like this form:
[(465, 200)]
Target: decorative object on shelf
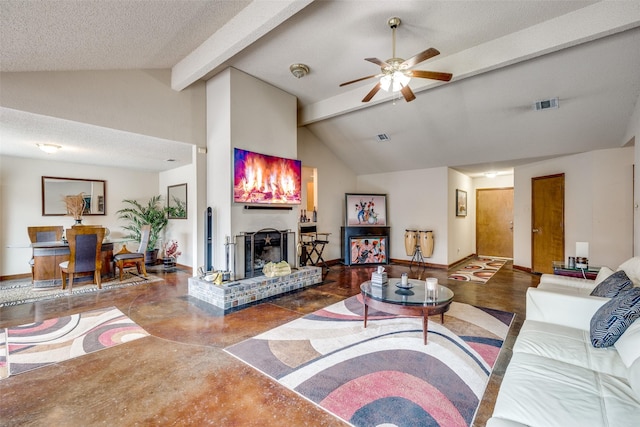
[(75, 206), (138, 215), (365, 210), (461, 203)]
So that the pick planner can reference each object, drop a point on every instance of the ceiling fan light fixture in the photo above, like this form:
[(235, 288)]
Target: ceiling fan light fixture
[(49, 148), (299, 70), (394, 81)]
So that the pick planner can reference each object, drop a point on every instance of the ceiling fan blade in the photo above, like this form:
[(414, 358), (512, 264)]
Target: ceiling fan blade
[(358, 80), (422, 56), (371, 94), (431, 75), (407, 93), (377, 62)]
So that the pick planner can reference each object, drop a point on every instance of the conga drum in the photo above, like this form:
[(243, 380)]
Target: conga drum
[(426, 243), (410, 241)]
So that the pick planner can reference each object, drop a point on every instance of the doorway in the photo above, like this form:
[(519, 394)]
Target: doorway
[(547, 222), (494, 222)]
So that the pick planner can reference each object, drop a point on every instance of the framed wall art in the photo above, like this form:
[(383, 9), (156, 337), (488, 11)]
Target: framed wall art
[(461, 203), (365, 210), (368, 250)]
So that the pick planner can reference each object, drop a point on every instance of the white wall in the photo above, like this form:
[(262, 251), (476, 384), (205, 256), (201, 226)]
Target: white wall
[(598, 205), (21, 207), (138, 101), (633, 133), (462, 229), (334, 179), (183, 231), (416, 200), (246, 113)]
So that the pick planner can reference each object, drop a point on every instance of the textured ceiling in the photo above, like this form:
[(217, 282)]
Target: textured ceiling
[(504, 55)]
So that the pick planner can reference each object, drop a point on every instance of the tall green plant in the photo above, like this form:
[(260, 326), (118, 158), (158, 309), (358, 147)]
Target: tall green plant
[(154, 214)]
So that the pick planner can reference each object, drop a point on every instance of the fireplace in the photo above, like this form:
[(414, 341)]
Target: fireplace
[(267, 245)]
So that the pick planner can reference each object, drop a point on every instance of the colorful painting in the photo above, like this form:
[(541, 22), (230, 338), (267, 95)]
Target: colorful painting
[(368, 250), (263, 179), (366, 210)]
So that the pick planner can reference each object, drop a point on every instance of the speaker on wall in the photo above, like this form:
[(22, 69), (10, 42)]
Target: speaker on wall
[(208, 239)]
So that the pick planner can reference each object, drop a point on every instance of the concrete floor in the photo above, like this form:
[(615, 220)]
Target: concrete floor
[(180, 376)]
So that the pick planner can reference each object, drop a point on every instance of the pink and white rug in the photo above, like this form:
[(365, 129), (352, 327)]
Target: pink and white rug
[(384, 374), (30, 346)]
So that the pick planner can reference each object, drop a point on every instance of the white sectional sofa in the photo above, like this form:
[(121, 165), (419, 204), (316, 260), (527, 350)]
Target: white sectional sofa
[(556, 377)]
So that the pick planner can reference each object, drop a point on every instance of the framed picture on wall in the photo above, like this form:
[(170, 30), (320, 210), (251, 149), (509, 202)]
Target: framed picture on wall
[(366, 210), (368, 250), (461, 203)]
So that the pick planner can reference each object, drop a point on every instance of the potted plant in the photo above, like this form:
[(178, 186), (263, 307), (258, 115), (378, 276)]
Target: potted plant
[(154, 214)]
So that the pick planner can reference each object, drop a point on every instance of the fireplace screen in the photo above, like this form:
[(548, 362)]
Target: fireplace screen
[(263, 246)]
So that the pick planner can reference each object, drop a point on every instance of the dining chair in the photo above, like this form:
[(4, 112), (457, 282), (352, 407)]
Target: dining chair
[(46, 233), (124, 258), (85, 247)]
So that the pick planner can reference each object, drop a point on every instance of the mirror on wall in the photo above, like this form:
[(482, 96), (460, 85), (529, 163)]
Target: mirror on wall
[(55, 189), (177, 201)]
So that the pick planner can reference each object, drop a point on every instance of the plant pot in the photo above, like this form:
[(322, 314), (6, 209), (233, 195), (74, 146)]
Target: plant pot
[(169, 263), (151, 257)]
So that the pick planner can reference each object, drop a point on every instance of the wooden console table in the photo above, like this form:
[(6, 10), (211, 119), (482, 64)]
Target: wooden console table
[(47, 257)]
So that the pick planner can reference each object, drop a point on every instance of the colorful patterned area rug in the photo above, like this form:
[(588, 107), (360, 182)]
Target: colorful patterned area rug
[(384, 374), (478, 270), (31, 346), (14, 292)]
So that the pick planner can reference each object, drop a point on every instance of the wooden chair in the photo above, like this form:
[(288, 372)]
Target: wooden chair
[(47, 233), (85, 246), (124, 258)]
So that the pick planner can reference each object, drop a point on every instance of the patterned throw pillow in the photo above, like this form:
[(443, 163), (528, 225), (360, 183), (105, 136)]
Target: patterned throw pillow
[(613, 285), (614, 317)]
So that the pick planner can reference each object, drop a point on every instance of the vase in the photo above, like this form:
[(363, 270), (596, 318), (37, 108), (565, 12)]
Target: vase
[(79, 221)]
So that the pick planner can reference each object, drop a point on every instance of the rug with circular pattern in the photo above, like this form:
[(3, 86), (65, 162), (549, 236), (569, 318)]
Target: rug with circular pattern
[(384, 374), (478, 270)]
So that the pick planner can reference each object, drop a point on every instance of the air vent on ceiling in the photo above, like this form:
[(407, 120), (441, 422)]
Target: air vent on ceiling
[(383, 137), (546, 104)]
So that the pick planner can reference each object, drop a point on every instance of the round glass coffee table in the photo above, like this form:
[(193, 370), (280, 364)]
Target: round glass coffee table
[(413, 300)]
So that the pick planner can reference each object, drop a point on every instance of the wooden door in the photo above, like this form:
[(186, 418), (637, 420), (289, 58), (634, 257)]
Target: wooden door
[(547, 221), (494, 222)]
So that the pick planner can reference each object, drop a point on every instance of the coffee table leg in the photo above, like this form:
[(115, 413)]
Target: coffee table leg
[(366, 312), (425, 325)]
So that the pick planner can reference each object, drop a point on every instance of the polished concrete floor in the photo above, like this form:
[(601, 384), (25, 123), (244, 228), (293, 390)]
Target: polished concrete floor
[(180, 375)]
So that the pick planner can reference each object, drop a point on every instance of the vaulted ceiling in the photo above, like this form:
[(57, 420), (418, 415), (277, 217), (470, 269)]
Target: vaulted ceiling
[(504, 56)]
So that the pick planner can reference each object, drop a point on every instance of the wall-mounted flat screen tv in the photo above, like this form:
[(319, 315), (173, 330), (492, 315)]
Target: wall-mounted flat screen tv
[(263, 179)]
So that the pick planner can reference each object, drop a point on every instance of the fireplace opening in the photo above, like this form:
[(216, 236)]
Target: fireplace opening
[(264, 246)]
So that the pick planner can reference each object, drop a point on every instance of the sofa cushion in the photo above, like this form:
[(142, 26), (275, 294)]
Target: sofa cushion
[(568, 345), (632, 268), (542, 392), (603, 273), (613, 285), (614, 317), (628, 346)]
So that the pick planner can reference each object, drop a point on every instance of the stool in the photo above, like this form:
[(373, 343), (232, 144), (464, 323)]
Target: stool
[(312, 245)]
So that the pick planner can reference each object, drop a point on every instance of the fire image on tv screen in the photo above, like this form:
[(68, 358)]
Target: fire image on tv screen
[(262, 179)]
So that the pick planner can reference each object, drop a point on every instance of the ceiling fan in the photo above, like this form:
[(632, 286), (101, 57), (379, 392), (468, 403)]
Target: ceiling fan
[(396, 72)]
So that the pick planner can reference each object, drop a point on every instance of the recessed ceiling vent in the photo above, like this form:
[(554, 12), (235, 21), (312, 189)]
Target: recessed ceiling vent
[(381, 137), (546, 104)]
